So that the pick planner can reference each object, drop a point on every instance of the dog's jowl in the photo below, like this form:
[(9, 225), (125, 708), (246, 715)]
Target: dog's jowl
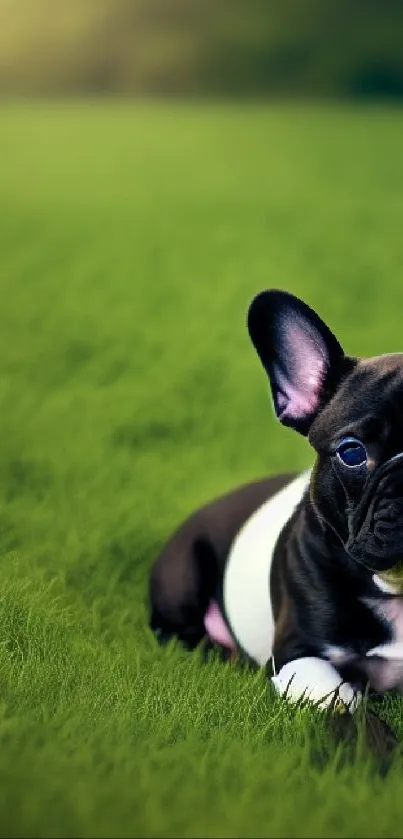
[(302, 572)]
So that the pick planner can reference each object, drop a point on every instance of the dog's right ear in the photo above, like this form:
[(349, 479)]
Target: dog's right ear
[(301, 356)]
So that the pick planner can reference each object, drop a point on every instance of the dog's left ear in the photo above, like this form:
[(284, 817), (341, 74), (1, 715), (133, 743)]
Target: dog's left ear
[(301, 356)]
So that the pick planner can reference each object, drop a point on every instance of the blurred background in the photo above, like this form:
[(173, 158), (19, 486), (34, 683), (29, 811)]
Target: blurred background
[(351, 48)]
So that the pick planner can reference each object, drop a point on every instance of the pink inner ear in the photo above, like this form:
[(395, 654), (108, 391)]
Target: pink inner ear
[(300, 378)]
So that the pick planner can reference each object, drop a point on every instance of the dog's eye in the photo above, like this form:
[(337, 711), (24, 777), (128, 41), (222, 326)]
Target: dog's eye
[(351, 452)]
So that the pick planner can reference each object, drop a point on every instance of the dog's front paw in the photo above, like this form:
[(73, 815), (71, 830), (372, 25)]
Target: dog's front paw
[(315, 680)]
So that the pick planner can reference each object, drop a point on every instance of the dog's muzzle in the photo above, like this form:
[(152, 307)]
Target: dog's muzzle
[(376, 523)]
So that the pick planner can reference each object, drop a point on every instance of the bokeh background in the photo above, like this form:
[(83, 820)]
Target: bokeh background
[(351, 48), (160, 163)]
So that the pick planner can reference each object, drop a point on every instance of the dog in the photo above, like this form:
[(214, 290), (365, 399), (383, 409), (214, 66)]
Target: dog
[(294, 571)]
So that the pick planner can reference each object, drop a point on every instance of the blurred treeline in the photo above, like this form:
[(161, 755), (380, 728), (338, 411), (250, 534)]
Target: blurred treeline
[(239, 47)]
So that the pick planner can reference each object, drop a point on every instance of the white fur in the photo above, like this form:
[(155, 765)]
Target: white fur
[(246, 589), (384, 586), (391, 612), (338, 655), (316, 680), (392, 650)]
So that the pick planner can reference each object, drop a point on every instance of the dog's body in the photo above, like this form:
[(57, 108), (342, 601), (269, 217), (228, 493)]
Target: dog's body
[(289, 570)]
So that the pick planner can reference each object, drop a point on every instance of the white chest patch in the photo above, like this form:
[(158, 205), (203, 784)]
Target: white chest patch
[(391, 612), (387, 670), (246, 592)]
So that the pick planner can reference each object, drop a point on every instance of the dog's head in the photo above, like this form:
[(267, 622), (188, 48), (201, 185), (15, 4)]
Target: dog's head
[(351, 410)]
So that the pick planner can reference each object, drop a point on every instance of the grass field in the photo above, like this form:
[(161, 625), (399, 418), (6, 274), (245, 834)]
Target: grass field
[(132, 240)]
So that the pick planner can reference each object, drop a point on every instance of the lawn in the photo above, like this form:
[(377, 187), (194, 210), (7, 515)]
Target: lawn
[(132, 239)]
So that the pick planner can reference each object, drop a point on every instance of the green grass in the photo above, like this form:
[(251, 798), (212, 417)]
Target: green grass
[(132, 239)]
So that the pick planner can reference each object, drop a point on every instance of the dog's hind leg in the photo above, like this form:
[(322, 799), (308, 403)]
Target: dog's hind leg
[(187, 577), (183, 582)]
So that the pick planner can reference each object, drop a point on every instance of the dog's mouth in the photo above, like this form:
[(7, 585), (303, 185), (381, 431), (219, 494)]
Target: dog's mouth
[(376, 523)]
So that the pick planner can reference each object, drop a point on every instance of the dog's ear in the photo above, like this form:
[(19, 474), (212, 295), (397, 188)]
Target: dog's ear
[(301, 356)]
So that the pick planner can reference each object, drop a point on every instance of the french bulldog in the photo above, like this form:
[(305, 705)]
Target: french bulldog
[(296, 571)]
